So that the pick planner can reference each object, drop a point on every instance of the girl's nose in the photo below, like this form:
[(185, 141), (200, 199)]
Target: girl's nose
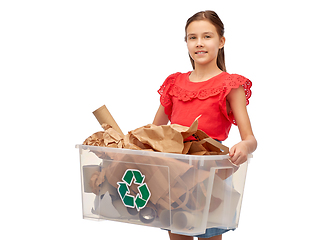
[(199, 43)]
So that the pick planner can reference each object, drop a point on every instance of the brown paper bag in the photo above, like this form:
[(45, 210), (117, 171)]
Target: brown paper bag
[(95, 140), (164, 138)]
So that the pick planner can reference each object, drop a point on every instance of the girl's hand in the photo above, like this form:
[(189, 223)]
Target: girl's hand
[(238, 153)]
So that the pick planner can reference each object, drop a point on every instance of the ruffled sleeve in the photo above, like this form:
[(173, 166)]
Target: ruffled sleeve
[(165, 97), (234, 81)]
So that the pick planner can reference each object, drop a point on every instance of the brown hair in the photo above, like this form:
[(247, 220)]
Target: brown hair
[(213, 18)]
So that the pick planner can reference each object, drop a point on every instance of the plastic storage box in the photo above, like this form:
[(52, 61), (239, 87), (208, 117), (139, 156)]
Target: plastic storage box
[(182, 193)]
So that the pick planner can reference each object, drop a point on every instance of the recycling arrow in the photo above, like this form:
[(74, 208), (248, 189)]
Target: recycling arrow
[(123, 189), (133, 176), (138, 176)]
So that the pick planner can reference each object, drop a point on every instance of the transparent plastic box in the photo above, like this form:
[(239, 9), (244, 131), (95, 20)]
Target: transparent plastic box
[(182, 193)]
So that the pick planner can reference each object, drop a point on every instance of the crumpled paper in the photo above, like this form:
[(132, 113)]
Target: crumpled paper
[(107, 138), (165, 138)]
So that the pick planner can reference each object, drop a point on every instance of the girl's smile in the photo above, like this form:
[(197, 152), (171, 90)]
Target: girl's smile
[(201, 52)]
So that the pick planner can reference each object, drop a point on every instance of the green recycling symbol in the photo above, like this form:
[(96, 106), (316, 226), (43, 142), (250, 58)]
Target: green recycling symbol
[(142, 197)]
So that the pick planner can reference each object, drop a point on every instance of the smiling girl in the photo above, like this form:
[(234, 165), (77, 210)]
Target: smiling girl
[(219, 97)]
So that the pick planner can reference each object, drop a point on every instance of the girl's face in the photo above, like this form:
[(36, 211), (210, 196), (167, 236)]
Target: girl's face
[(203, 42)]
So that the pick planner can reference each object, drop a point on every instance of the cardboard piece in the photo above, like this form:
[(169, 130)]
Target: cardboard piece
[(103, 116), (96, 180)]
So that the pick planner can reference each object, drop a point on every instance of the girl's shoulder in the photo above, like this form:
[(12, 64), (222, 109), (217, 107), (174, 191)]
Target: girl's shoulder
[(235, 81), (175, 78), (177, 75)]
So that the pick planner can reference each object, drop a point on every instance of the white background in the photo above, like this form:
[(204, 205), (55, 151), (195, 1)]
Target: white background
[(61, 60)]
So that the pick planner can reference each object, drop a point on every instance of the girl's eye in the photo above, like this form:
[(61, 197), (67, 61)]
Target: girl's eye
[(207, 36), (192, 37)]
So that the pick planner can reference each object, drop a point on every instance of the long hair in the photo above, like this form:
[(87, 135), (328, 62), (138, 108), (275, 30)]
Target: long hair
[(213, 18)]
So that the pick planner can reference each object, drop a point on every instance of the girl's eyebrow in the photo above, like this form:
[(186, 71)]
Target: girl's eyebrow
[(192, 34)]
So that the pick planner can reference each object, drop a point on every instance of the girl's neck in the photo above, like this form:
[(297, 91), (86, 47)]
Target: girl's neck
[(201, 74)]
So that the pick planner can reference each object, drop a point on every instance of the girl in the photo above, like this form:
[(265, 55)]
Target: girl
[(208, 90)]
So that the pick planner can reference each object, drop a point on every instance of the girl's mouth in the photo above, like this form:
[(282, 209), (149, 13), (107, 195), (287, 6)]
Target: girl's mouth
[(200, 52)]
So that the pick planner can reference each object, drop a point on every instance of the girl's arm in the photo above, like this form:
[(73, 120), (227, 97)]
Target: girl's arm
[(238, 153), (161, 117)]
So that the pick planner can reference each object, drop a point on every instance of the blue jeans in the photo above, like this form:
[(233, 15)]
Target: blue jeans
[(210, 232)]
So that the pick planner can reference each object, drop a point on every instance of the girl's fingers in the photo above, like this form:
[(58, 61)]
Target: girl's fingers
[(234, 157), (232, 151), (240, 160)]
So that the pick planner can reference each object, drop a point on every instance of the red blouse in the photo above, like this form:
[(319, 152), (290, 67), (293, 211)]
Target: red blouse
[(184, 101)]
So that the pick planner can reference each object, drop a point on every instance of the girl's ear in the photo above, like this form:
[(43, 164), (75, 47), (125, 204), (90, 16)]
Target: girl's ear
[(222, 42)]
